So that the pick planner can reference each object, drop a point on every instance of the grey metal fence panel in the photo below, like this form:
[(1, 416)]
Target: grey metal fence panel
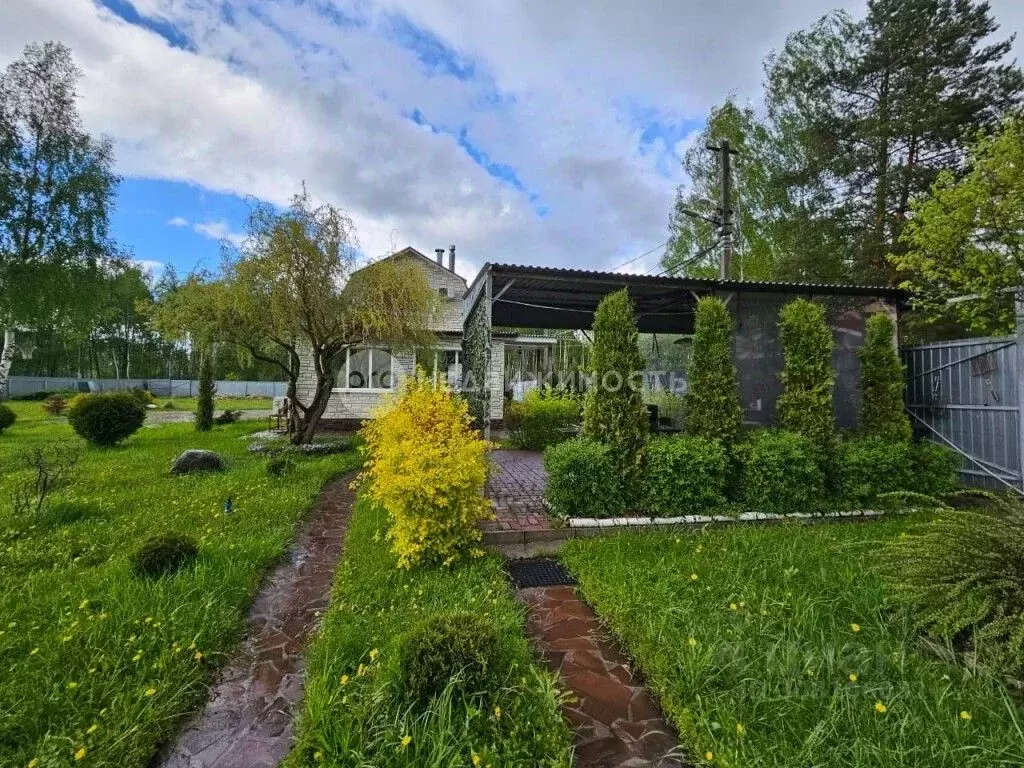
[(24, 385), (965, 394)]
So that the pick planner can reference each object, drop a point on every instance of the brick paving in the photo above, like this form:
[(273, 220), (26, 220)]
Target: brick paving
[(247, 722), (616, 722), (515, 486)]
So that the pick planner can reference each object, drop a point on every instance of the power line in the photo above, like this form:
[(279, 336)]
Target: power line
[(637, 258), (689, 261)]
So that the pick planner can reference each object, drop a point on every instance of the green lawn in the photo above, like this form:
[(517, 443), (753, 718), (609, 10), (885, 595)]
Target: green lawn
[(96, 662), (220, 404), (355, 719), (773, 646)]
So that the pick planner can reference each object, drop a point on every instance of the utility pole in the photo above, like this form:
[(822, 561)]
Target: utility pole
[(725, 206)]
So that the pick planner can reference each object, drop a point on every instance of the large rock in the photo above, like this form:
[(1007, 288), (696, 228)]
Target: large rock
[(196, 461)]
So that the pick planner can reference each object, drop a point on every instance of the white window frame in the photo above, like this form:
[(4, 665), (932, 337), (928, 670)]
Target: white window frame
[(437, 354), (370, 350)]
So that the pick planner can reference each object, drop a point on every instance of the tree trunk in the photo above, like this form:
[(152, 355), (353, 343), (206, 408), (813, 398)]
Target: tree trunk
[(309, 419), (6, 358)]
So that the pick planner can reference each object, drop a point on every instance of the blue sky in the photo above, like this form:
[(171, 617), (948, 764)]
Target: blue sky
[(539, 131)]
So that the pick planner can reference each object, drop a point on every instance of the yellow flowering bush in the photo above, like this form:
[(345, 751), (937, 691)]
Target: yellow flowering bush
[(426, 468)]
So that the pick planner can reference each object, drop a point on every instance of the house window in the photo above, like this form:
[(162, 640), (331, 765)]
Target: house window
[(366, 369), (443, 292), (441, 364)]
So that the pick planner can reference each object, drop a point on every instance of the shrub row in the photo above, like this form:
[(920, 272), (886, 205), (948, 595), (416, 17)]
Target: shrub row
[(771, 471), (541, 420)]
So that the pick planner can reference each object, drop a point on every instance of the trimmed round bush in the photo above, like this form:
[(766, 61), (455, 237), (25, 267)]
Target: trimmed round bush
[(584, 479), (461, 645), (55, 404), (870, 466), (780, 473), (106, 419), (144, 396), (936, 469), (684, 474), (7, 417), (279, 466), (163, 555)]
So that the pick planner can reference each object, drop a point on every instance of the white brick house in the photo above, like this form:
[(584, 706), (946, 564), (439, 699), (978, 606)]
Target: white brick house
[(367, 375)]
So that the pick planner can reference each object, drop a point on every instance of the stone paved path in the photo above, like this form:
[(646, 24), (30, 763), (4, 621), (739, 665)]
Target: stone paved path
[(515, 486), (616, 722), (247, 722)]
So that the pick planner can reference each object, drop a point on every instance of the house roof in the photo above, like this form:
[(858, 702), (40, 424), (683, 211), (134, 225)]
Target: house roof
[(552, 297), (410, 251)]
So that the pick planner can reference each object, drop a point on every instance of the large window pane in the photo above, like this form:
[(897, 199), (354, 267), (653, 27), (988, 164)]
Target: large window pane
[(449, 367), (359, 369), (380, 375)]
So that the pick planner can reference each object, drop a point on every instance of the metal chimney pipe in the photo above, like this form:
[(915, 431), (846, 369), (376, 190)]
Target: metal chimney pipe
[(439, 253), (451, 257)]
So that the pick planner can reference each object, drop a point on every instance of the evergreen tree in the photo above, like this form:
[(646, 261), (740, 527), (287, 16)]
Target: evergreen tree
[(712, 402), (879, 106), (881, 383), (207, 389), (613, 410), (805, 405)]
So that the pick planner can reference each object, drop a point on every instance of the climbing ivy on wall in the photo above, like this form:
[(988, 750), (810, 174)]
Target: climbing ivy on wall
[(476, 363)]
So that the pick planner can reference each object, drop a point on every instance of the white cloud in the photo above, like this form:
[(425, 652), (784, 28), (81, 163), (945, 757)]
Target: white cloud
[(152, 268), (560, 94), (219, 230), (177, 221)]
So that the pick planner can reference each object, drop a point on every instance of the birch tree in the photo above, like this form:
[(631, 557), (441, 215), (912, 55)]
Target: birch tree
[(56, 188)]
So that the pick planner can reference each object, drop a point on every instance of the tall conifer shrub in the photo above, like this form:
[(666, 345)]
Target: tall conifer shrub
[(805, 405), (712, 403), (881, 383)]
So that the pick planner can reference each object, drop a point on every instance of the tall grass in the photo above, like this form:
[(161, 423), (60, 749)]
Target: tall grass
[(98, 666), (774, 646)]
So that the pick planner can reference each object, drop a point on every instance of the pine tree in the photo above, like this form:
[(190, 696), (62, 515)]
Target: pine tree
[(881, 383), (805, 405), (613, 410), (876, 108), (207, 388), (712, 407)]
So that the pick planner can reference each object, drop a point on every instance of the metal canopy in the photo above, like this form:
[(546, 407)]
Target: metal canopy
[(548, 297)]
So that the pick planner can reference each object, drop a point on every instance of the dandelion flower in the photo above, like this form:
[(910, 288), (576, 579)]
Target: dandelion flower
[(855, 627), (476, 759), (406, 741), (733, 606), (374, 654), (694, 577), (740, 729), (344, 679), (80, 754), (693, 642), (965, 715), (318, 756), (92, 729), (853, 677), (151, 691), (198, 655), (709, 756), (880, 708), (497, 711)]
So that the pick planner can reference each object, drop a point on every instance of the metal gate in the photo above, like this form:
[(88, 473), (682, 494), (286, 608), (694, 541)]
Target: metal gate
[(967, 395)]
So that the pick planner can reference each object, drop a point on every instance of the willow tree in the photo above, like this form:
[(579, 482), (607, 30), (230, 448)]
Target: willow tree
[(296, 283)]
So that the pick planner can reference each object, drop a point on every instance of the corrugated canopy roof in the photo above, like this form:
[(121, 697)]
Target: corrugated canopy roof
[(551, 297)]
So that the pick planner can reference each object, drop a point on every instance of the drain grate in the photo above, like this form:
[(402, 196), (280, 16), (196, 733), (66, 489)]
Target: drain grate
[(538, 572)]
